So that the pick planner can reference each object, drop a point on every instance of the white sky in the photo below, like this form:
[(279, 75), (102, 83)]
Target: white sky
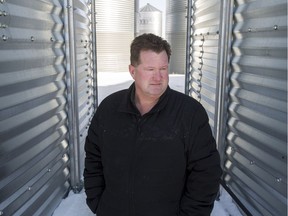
[(159, 4)]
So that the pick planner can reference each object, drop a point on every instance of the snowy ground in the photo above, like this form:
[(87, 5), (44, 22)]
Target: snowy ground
[(75, 204)]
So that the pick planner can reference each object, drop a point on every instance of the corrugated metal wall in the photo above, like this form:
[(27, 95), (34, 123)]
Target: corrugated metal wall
[(48, 96), (80, 59), (204, 54), (36, 85), (176, 33), (256, 165), (254, 102), (115, 31)]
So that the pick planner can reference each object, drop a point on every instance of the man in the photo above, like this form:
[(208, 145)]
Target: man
[(149, 149)]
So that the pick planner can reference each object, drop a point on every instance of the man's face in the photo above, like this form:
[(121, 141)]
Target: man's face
[(151, 75)]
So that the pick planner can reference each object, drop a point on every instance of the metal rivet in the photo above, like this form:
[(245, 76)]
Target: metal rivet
[(32, 38), (4, 13), (249, 29), (252, 162), (4, 38), (275, 27), (48, 170), (51, 39), (3, 25), (278, 180), (29, 188)]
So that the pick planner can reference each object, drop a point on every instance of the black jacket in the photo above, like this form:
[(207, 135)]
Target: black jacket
[(163, 163)]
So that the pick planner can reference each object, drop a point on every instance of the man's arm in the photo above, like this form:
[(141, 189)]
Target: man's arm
[(94, 183), (203, 169)]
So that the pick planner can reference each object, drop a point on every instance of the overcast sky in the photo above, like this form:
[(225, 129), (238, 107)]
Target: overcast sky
[(159, 4)]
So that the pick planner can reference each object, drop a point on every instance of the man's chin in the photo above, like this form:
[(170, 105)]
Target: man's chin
[(157, 93)]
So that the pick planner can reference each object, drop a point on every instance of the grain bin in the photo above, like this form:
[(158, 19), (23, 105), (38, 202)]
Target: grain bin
[(150, 20), (115, 31), (176, 34)]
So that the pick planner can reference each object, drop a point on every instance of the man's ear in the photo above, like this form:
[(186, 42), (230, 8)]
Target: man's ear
[(132, 70)]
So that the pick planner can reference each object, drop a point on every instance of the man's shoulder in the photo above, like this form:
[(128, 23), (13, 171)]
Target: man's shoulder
[(114, 98), (184, 99), (188, 105), (117, 94)]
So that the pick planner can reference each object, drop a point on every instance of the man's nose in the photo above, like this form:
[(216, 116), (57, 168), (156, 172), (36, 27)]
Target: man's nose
[(157, 75)]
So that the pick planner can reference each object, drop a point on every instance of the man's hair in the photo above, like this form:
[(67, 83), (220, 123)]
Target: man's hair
[(146, 42)]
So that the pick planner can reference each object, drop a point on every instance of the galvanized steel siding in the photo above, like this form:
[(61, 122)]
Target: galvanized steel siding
[(252, 85), (47, 99), (176, 34), (204, 54), (256, 163), (33, 120), (84, 85), (115, 31)]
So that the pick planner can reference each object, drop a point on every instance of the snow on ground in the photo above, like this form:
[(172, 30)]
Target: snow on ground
[(75, 204)]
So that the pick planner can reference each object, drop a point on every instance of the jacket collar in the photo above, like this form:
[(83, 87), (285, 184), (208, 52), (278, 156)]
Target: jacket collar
[(128, 103)]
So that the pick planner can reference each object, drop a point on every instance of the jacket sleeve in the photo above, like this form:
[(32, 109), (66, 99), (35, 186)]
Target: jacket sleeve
[(203, 168), (94, 183)]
